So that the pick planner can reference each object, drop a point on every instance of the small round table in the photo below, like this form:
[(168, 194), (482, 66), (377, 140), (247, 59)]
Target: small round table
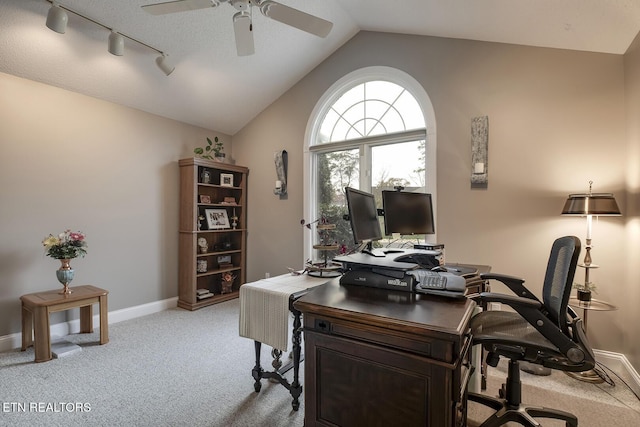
[(591, 375)]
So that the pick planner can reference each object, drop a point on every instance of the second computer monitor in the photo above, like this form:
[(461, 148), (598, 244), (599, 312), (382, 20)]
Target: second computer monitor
[(363, 215), (407, 213)]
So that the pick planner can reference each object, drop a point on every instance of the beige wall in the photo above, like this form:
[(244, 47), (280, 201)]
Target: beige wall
[(556, 121), (631, 293), (71, 161)]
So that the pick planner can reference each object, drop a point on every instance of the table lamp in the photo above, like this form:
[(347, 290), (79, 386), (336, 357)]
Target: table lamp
[(590, 204)]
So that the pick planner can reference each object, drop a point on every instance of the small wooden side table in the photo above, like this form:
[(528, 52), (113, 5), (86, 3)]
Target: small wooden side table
[(37, 307)]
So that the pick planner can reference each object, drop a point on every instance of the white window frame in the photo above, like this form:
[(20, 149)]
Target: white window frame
[(329, 98)]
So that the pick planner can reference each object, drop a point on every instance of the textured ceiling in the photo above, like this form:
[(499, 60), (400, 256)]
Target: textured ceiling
[(213, 88)]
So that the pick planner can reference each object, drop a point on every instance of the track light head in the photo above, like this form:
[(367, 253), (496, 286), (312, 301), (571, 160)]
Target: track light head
[(116, 44), (57, 19), (165, 64)]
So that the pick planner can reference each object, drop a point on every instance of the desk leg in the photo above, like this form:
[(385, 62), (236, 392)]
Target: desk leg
[(86, 319), (27, 328), (296, 388), (257, 371), (42, 334), (104, 320)]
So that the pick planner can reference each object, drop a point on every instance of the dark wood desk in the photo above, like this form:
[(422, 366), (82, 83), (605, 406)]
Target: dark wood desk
[(378, 357)]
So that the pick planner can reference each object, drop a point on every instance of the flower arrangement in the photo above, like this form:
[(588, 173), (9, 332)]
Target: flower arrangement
[(66, 245)]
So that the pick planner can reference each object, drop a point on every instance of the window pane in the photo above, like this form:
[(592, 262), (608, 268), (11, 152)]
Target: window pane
[(336, 170), (398, 164), (369, 109)]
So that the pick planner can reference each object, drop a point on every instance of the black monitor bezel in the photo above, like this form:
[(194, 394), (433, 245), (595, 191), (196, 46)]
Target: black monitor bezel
[(357, 233), (398, 223)]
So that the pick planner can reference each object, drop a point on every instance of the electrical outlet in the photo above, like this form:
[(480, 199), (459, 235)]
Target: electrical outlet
[(267, 275)]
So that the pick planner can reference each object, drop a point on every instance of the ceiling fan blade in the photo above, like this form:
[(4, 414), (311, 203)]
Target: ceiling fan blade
[(178, 6), (296, 18), (244, 33)]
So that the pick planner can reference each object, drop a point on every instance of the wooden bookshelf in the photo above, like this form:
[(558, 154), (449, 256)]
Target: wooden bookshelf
[(211, 195)]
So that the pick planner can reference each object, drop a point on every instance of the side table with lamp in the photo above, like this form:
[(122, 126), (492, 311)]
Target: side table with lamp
[(589, 205)]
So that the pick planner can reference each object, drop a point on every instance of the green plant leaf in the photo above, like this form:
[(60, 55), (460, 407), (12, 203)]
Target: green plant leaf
[(198, 151)]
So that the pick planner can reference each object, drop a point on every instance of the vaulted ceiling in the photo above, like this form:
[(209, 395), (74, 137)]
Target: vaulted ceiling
[(214, 88)]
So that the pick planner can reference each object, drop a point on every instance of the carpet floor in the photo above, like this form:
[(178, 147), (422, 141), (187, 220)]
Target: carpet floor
[(182, 368)]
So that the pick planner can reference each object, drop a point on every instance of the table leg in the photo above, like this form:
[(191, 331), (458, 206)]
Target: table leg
[(42, 334), (86, 319), (27, 328), (104, 320), (296, 388), (257, 371)]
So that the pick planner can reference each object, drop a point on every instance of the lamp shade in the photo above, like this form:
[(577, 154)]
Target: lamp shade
[(602, 204)]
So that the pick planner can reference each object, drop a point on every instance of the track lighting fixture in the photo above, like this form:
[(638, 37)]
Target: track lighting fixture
[(165, 64), (57, 19), (116, 44)]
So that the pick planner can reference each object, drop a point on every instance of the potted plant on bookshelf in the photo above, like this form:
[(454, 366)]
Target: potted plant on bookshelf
[(214, 147)]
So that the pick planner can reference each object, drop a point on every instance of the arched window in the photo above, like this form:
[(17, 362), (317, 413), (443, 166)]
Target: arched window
[(374, 130)]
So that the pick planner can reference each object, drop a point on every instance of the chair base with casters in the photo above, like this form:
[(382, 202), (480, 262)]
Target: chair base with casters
[(509, 407), (544, 332)]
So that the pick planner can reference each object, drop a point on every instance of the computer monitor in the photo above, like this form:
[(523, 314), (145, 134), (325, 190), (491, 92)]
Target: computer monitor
[(407, 213), (363, 216)]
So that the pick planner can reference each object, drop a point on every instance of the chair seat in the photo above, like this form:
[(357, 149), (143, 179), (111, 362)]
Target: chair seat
[(494, 329)]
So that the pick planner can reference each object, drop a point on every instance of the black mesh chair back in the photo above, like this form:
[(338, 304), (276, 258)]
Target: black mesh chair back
[(558, 279)]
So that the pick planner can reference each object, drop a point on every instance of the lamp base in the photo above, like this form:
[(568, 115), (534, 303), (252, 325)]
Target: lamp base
[(590, 376)]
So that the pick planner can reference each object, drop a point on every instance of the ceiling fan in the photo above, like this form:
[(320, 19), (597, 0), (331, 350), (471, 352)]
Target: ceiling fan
[(242, 24)]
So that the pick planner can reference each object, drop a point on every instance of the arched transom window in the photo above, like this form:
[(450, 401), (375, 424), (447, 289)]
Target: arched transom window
[(373, 130)]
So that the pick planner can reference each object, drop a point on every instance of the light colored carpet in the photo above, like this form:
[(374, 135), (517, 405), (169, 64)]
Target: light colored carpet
[(181, 368)]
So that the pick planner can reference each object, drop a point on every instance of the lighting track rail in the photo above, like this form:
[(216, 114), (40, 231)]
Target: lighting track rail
[(57, 20)]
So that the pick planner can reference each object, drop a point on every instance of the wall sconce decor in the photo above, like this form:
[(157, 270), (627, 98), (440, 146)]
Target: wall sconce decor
[(281, 159), (479, 151)]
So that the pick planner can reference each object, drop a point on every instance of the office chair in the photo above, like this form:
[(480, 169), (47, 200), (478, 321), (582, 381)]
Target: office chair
[(547, 333)]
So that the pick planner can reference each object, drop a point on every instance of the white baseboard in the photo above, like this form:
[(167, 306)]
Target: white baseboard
[(619, 364), (9, 342)]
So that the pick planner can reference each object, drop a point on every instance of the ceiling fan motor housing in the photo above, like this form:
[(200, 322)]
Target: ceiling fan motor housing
[(241, 5)]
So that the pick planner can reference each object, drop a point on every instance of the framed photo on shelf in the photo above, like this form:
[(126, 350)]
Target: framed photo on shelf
[(224, 259), (205, 199), (226, 179), (217, 219)]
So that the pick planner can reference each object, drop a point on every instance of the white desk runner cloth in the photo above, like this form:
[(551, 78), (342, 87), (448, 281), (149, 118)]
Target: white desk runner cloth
[(264, 307)]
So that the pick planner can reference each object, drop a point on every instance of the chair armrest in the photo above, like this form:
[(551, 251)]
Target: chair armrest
[(512, 301), (515, 284)]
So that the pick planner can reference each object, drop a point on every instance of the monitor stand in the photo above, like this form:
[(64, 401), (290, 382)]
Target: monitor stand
[(378, 253)]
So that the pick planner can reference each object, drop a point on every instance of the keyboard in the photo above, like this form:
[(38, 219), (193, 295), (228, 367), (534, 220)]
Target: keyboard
[(430, 279), (433, 280)]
